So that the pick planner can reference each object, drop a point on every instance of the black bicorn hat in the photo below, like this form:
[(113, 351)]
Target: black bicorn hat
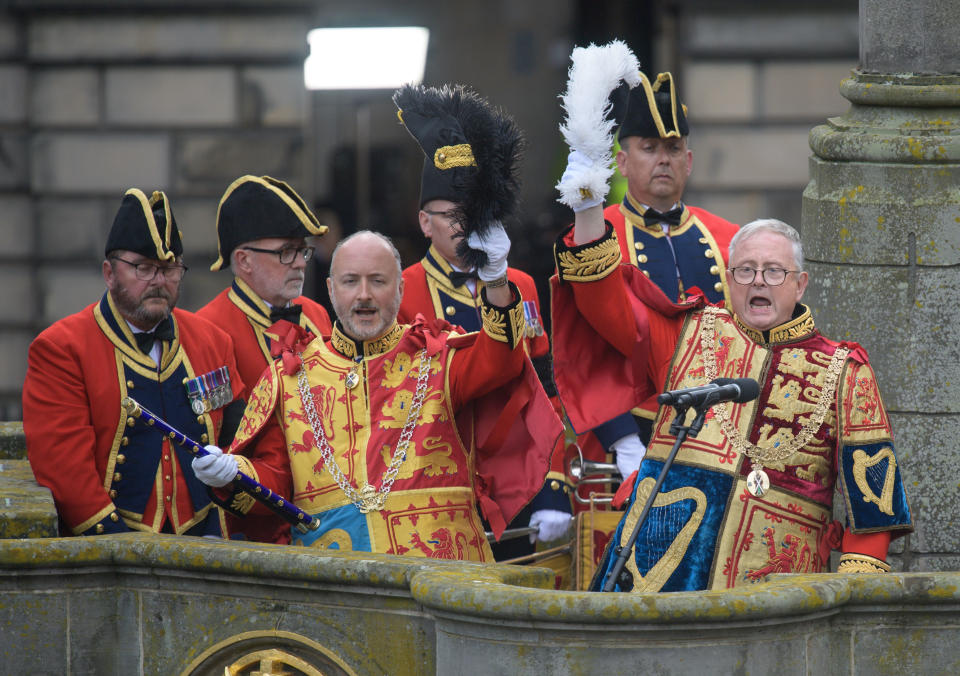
[(653, 110), (254, 207), (145, 225), (472, 154)]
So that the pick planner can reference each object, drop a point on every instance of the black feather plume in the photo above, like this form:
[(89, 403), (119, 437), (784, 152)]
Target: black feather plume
[(454, 114)]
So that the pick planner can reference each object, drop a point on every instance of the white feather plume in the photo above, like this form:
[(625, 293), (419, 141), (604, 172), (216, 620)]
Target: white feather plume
[(595, 72)]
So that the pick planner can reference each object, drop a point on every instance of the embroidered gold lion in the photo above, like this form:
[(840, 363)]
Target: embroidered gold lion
[(434, 462), (807, 466), (396, 410), (784, 402), (809, 367), (395, 370)]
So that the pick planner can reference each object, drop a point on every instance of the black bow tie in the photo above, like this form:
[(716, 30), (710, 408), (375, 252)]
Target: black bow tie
[(458, 278), (291, 313), (163, 331), (653, 217)]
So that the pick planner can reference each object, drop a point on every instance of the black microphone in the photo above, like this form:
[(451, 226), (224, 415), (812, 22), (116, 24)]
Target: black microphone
[(739, 391)]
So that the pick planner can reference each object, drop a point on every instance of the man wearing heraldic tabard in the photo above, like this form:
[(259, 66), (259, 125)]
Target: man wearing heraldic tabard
[(752, 494), (392, 435)]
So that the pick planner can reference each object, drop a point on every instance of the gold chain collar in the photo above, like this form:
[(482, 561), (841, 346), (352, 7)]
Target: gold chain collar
[(368, 498), (775, 454), (351, 348)]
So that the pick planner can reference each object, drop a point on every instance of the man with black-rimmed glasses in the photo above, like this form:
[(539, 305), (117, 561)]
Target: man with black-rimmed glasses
[(264, 233), (106, 475)]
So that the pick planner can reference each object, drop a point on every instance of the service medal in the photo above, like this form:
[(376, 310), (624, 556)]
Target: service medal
[(197, 405)]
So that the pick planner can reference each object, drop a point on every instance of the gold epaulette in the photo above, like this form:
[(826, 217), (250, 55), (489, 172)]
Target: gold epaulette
[(588, 262), (504, 324), (861, 563)]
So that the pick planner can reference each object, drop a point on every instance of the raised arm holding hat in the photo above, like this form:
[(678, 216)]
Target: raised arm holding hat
[(106, 474), (682, 249), (752, 494), (459, 132), (264, 232), (390, 434)]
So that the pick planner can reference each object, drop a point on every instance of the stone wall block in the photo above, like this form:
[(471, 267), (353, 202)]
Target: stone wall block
[(16, 282), (13, 93), (16, 226), (877, 213), (65, 97), (924, 444), (215, 36), (170, 97), (69, 289), (13, 366), (197, 218), (719, 91), (208, 163), (10, 36), (804, 89), (14, 160), (74, 228), (99, 163), (766, 33), (726, 158), (273, 96)]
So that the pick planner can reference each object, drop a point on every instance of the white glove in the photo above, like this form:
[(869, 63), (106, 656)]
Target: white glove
[(584, 181), (496, 244), (216, 469), (552, 523), (630, 451)]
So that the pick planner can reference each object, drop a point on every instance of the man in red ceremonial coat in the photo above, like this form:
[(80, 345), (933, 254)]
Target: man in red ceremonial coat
[(262, 231), (108, 473), (391, 435), (444, 285), (751, 494), (676, 246)]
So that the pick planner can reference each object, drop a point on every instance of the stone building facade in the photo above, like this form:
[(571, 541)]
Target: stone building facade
[(102, 95)]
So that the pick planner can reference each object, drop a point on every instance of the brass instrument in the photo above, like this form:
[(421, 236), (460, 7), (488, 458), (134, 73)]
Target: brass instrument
[(587, 472)]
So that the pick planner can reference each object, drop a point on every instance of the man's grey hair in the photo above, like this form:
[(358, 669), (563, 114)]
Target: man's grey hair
[(383, 238), (770, 225)]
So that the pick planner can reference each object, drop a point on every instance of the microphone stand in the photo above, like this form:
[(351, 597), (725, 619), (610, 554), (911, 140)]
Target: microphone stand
[(619, 575)]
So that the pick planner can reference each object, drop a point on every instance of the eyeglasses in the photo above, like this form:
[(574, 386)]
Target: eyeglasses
[(147, 271), (449, 215), (286, 254), (772, 276)]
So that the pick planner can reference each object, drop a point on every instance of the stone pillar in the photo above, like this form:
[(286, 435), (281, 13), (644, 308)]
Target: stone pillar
[(881, 229)]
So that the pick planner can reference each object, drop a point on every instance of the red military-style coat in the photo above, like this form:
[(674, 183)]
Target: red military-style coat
[(428, 290), (239, 311), (107, 472)]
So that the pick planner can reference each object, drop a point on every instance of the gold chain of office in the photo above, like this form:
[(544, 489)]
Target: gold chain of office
[(367, 499), (774, 454)]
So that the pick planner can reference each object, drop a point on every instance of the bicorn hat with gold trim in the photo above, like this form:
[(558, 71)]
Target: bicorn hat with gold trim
[(654, 110), (254, 207), (145, 225), (472, 154)]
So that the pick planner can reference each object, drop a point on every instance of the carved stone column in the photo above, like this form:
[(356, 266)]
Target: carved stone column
[(881, 230)]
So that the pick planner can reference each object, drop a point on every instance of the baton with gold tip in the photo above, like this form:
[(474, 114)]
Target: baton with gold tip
[(289, 512)]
